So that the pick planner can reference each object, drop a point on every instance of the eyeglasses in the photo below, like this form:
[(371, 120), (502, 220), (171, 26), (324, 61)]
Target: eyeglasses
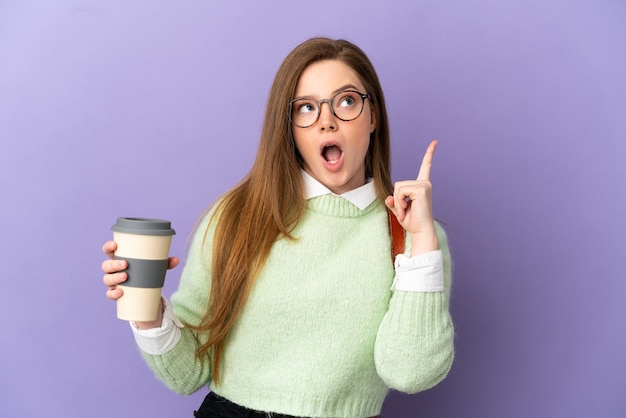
[(346, 105)]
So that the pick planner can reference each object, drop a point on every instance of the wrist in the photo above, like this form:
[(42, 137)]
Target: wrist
[(423, 242), (142, 325)]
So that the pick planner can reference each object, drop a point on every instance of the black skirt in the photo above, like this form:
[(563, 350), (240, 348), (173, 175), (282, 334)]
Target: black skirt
[(214, 406)]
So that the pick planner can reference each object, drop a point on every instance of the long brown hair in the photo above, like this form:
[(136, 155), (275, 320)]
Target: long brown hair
[(268, 203)]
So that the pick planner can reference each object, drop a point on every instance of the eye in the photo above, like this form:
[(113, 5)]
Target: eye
[(346, 99), (303, 106)]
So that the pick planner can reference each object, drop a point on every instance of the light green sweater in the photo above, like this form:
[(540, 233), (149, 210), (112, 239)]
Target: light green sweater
[(321, 334)]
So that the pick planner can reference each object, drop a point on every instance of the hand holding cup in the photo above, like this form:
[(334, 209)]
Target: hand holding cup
[(114, 270), (135, 275)]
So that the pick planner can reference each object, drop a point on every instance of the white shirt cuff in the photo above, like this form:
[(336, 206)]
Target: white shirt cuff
[(420, 273), (158, 341)]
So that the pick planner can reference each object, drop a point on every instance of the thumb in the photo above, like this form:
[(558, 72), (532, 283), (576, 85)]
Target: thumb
[(172, 262), (389, 202), (398, 211)]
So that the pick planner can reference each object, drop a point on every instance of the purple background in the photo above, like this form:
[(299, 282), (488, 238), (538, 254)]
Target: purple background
[(153, 108)]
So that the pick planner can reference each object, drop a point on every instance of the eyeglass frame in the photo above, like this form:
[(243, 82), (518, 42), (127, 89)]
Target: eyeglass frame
[(330, 106)]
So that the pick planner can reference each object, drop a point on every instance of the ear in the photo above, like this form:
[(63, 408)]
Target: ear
[(372, 120)]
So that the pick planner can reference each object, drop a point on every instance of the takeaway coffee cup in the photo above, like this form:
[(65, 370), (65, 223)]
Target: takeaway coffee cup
[(145, 244)]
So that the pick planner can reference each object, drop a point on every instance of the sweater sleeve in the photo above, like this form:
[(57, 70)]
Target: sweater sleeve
[(414, 346), (179, 368)]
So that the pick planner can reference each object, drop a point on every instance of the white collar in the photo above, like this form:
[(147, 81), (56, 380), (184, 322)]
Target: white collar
[(361, 197)]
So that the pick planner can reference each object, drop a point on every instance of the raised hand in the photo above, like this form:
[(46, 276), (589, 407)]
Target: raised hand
[(411, 203)]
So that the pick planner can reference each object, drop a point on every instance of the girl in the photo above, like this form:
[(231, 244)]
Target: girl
[(288, 305)]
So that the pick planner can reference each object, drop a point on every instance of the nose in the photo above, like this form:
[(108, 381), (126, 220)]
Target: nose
[(327, 120)]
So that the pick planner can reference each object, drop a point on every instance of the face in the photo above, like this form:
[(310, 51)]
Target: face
[(334, 150)]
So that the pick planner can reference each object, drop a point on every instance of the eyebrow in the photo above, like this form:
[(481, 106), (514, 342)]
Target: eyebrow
[(345, 87), (339, 90)]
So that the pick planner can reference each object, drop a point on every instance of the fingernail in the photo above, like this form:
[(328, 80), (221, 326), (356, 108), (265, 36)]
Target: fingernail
[(120, 264)]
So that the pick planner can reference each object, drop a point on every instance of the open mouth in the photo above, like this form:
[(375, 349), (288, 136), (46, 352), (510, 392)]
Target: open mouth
[(331, 153)]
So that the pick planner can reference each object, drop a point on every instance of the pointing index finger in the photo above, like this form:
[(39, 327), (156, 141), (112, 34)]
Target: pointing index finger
[(427, 161)]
